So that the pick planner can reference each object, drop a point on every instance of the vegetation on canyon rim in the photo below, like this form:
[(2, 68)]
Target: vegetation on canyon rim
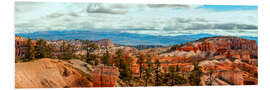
[(150, 73), (223, 60)]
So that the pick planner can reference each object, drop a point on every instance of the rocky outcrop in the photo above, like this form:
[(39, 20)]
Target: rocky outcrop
[(48, 73), (228, 46), (105, 76), (228, 42), (233, 77), (105, 43), (205, 46), (188, 49), (21, 46), (51, 73)]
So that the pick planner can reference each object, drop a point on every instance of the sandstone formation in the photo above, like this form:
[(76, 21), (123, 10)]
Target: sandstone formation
[(105, 43), (231, 60), (51, 73), (224, 60), (104, 76), (48, 73), (21, 46)]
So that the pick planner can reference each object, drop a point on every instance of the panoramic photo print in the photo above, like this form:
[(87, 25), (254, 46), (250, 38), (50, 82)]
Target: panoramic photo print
[(73, 45)]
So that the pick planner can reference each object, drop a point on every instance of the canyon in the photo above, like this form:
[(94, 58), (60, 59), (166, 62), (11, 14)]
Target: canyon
[(223, 60)]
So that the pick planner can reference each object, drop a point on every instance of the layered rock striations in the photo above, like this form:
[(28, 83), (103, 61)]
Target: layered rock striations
[(47, 73), (231, 60), (223, 45)]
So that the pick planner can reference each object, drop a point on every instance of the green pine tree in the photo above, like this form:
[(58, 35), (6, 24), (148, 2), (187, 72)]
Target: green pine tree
[(177, 68), (123, 69), (119, 56), (140, 61), (106, 59), (90, 47), (42, 49), (194, 78), (172, 75), (148, 70), (66, 51), (157, 73), (31, 50)]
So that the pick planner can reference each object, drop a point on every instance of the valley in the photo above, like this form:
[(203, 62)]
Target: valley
[(218, 60)]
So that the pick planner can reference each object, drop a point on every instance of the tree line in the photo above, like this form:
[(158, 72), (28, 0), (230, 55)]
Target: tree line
[(41, 50), (150, 73)]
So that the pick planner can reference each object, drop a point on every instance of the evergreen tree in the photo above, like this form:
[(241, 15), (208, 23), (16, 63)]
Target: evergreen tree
[(49, 49), (179, 80), (119, 56), (123, 69), (106, 59), (123, 65), (172, 75), (177, 68), (140, 61), (130, 75), (157, 73), (30, 49), (66, 51), (148, 75), (42, 49), (194, 78), (90, 48), (148, 70), (92, 59), (175, 77), (149, 62)]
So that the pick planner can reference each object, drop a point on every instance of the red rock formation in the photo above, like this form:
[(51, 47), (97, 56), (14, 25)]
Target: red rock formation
[(246, 57), (233, 77), (21, 46), (248, 68), (221, 51), (188, 49), (104, 76), (105, 42), (251, 81), (205, 46), (236, 45)]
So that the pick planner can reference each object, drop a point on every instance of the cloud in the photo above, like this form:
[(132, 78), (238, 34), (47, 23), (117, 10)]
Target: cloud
[(59, 15), (167, 6), (26, 6), (153, 19), (225, 26), (202, 24), (55, 15), (99, 8), (189, 20), (251, 33), (119, 6)]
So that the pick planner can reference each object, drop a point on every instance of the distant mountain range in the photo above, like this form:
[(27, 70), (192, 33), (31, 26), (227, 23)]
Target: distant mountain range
[(118, 37)]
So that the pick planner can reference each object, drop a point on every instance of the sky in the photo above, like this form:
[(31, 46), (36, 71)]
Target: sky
[(150, 19)]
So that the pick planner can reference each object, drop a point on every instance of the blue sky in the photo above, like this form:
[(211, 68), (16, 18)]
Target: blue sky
[(151, 19), (228, 7)]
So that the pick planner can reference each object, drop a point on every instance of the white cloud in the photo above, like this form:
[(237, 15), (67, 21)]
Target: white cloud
[(134, 18), (100, 8)]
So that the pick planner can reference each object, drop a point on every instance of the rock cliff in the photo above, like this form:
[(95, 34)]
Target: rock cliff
[(48, 73)]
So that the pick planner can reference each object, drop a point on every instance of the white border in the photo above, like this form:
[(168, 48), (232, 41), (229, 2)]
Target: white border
[(7, 41), (209, 2)]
